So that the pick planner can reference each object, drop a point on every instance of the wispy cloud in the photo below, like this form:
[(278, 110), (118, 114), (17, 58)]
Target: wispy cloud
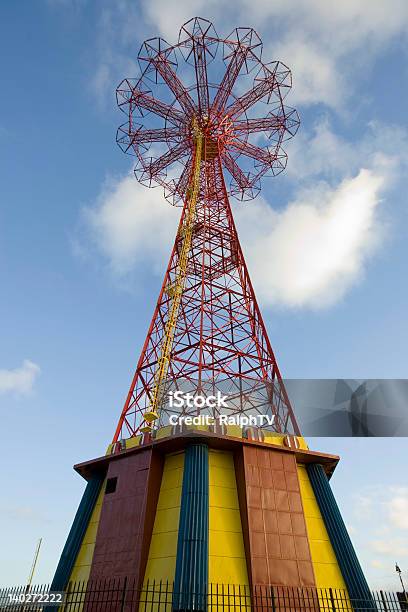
[(131, 226), (329, 46), (22, 513), (391, 547), (382, 147), (377, 563), (397, 507), (19, 380), (312, 252), (379, 512), (326, 44)]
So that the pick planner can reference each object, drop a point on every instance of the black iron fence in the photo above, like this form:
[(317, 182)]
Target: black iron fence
[(122, 595)]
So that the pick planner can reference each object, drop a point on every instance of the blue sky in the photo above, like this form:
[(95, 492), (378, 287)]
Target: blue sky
[(83, 247)]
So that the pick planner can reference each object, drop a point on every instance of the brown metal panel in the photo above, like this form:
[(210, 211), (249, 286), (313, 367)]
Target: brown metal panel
[(273, 545), (127, 516), (277, 548), (270, 521), (266, 478), (281, 500), (279, 481), (268, 498), (298, 524)]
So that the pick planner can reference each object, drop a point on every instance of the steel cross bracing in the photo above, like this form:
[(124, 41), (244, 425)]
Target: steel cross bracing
[(207, 333)]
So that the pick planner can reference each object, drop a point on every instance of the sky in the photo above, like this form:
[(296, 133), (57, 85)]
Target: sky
[(83, 246)]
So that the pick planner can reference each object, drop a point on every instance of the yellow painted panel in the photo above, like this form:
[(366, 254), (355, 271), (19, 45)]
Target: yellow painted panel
[(328, 574), (169, 498), (273, 438), (175, 460), (322, 553), (313, 509), (96, 515), (221, 460), (303, 444), (226, 519), (85, 554), (163, 542), (221, 477), (81, 574), (131, 442), (166, 520), (196, 427), (223, 497), (232, 573), (161, 562), (234, 430), (172, 478), (227, 560), (90, 535), (226, 544), (163, 432), (316, 528), (163, 568), (325, 565)]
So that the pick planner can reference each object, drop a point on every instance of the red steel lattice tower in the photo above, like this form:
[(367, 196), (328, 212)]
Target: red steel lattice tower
[(206, 120)]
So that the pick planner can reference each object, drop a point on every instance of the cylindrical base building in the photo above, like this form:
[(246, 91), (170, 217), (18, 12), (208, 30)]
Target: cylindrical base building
[(197, 510)]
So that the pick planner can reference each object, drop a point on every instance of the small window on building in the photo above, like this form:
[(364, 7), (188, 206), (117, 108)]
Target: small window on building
[(111, 485)]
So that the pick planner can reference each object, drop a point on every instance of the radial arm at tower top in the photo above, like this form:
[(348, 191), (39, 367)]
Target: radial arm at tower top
[(207, 332)]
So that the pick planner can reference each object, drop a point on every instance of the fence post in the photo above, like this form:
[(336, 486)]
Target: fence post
[(383, 600), (333, 603), (273, 599), (122, 605)]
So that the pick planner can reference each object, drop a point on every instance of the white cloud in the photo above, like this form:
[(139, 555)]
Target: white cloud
[(20, 380), (328, 45), (308, 255), (324, 43), (397, 507), (392, 547), (131, 225), (312, 252), (364, 506), (22, 513), (382, 147)]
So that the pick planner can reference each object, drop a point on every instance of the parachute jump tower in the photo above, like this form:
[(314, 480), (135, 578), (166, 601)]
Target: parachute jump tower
[(226, 501)]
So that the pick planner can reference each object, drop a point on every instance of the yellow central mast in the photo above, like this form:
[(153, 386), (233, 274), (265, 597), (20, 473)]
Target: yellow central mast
[(176, 289)]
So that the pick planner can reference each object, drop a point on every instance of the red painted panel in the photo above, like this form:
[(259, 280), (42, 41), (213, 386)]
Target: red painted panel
[(127, 517)]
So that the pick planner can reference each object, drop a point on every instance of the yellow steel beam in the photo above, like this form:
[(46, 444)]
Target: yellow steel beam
[(176, 289)]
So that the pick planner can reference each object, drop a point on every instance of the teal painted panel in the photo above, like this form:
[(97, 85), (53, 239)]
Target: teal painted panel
[(346, 556), (191, 579), (76, 534)]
